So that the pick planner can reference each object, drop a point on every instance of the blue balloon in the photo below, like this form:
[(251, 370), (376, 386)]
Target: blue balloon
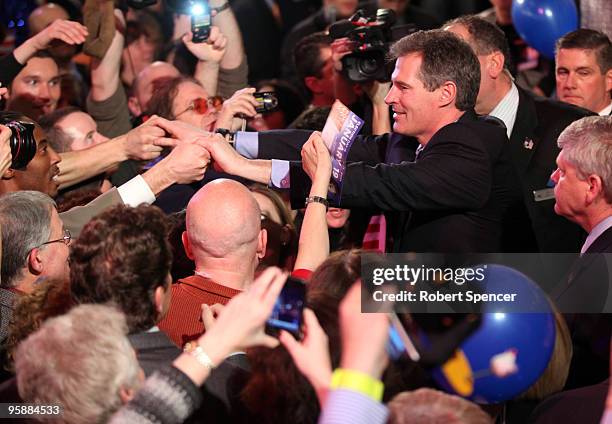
[(530, 336), (542, 22)]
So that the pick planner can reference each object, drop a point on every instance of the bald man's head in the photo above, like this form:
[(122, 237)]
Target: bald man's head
[(224, 221), (45, 15)]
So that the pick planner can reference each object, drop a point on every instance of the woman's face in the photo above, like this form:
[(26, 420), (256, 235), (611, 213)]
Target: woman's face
[(336, 217), (267, 208)]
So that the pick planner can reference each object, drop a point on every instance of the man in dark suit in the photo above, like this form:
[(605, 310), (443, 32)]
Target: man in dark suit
[(533, 126), (583, 193), (460, 181)]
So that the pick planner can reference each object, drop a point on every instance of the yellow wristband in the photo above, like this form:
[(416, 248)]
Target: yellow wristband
[(357, 382)]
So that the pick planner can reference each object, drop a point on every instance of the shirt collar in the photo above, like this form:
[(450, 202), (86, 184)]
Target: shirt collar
[(506, 109), (606, 111), (598, 230)]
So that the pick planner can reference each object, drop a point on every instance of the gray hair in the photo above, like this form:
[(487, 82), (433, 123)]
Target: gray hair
[(587, 144), (426, 405), (80, 360), (25, 217)]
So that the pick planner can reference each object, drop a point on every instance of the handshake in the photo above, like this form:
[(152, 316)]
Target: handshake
[(195, 150)]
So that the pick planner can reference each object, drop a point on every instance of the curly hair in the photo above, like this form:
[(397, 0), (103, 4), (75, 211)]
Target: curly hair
[(50, 298), (121, 257)]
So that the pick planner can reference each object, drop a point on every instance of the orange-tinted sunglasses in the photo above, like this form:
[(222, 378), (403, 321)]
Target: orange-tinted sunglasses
[(201, 105)]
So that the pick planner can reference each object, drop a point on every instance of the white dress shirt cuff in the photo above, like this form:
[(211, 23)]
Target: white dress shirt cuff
[(136, 192)]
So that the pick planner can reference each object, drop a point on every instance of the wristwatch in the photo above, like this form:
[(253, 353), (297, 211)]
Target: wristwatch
[(220, 9)]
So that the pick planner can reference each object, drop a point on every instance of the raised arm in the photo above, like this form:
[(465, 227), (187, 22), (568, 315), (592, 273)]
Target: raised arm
[(314, 237), (105, 72)]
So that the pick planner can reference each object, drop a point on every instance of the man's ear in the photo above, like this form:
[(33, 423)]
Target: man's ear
[(9, 174), (126, 395), (134, 106), (313, 84), (187, 245), (35, 262), (158, 298), (595, 188), (448, 93), (609, 81), (495, 64), (262, 242)]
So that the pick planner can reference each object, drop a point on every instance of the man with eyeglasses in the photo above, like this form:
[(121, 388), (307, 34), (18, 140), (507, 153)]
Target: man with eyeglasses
[(34, 248)]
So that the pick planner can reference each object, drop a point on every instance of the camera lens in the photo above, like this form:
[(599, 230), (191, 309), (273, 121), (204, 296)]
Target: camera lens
[(368, 66), (267, 101), (23, 144)]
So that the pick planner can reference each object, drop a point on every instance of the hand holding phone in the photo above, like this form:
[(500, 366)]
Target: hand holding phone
[(288, 312)]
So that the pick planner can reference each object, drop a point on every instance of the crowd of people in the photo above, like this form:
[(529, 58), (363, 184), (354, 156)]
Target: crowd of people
[(151, 212)]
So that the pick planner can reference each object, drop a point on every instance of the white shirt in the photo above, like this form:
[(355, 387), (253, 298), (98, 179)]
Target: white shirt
[(606, 111), (506, 109), (135, 192)]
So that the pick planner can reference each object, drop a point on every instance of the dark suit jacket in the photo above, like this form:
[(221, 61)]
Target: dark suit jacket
[(581, 406), (536, 227), (582, 296), (460, 185)]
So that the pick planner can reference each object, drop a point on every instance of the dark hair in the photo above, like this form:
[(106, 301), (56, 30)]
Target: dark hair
[(313, 118), (164, 92), (337, 273), (589, 39), (59, 140), (290, 102), (445, 57), (121, 257), (485, 37), (182, 266), (307, 55), (277, 392)]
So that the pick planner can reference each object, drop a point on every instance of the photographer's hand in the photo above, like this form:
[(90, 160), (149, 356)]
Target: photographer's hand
[(377, 92), (340, 48), (5, 149), (241, 103)]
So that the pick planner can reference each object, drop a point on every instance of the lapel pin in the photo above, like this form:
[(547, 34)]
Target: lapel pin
[(528, 144)]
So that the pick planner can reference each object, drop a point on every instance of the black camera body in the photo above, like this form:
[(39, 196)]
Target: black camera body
[(372, 37)]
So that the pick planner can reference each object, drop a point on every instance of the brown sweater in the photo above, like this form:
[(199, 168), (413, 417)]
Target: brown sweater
[(183, 321)]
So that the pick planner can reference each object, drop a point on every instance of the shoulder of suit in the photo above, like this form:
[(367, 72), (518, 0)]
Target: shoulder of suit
[(559, 110)]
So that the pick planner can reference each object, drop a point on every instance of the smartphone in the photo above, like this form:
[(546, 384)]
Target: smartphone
[(200, 21), (288, 311)]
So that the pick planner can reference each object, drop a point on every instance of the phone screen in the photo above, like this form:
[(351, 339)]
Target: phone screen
[(287, 312), (200, 23)]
